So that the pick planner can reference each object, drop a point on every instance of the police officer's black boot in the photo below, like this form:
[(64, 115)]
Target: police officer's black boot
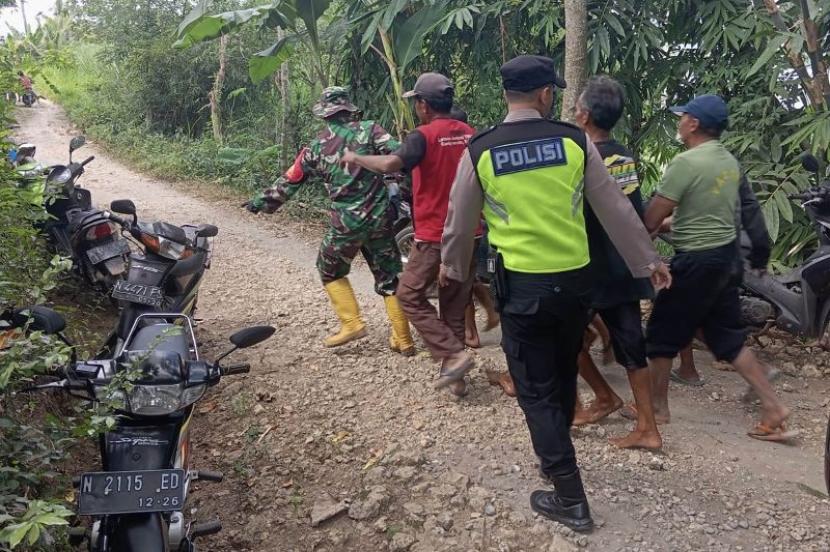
[(567, 504)]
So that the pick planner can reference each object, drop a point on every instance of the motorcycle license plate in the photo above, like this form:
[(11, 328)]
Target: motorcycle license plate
[(131, 492), (138, 293), (107, 251)]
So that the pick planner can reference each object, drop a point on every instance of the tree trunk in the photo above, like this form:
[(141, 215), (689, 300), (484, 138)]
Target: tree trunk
[(282, 82), (576, 54), (23, 15), (215, 95), (810, 84)]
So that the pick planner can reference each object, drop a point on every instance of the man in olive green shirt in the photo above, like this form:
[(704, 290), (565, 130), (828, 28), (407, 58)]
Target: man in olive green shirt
[(703, 182), (700, 186)]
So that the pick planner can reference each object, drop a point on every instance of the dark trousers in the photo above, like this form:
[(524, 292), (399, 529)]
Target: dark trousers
[(444, 334), (542, 325)]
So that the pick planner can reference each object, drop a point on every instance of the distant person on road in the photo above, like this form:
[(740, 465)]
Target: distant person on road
[(700, 191), (360, 220), (431, 152), (25, 81)]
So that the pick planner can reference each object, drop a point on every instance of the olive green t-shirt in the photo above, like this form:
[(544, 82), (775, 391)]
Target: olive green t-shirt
[(704, 182)]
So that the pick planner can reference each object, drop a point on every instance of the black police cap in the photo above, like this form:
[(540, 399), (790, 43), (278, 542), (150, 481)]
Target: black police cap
[(526, 73)]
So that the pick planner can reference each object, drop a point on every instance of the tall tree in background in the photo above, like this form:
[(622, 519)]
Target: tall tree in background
[(576, 54)]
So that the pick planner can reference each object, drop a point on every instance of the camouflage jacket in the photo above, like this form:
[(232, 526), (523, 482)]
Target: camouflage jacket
[(357, 196)]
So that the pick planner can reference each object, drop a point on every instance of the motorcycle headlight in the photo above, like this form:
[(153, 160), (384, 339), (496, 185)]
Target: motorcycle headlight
[(162, 400), (60, 177)]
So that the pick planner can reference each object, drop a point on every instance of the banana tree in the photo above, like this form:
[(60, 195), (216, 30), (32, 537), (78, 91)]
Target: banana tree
[(395, 30), (298, 18)]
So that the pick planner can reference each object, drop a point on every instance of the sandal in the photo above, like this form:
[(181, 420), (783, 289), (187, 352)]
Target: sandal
[(779, 434), (677, 378)]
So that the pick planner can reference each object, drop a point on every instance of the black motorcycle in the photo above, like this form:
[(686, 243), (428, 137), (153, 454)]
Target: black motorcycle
[(799, 301), (164, 276), (138, 497), (80, 231), (29, 98)]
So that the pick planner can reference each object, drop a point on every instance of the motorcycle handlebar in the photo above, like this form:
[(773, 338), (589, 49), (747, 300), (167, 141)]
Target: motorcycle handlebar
[(234, 369), (88, 160)]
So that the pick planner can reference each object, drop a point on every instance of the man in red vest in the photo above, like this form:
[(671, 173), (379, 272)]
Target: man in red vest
[(431, 152)]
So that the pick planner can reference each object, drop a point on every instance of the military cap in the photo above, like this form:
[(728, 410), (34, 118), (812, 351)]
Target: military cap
[(526, 73), (333, 100)]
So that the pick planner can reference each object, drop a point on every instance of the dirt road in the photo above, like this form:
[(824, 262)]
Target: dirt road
[(312, 429)]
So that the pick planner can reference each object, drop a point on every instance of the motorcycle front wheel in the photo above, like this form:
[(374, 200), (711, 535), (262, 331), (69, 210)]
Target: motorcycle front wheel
[(827, 458)]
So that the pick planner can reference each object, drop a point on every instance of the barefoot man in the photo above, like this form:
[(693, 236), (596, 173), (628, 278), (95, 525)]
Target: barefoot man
[(700, 186), (618, 293)]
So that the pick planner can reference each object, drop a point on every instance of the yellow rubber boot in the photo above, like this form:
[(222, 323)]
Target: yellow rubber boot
[(401, 339), (345, 305)]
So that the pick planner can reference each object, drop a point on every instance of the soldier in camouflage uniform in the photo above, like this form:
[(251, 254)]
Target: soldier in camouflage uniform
[(361, 215)]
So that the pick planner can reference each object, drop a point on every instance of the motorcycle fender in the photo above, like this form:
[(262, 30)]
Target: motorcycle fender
[(141, 447), (138, 533)]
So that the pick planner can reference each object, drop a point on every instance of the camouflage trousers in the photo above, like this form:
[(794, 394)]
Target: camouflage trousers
[(377, 244)]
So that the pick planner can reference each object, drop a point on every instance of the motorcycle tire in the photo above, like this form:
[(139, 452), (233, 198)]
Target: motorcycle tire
[(140, 533), (405, 239), (827, 458)]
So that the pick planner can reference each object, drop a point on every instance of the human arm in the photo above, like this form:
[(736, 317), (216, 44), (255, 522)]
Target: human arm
[(407, 156), (463, 217), (621, 222), (752, 221), (271, 199), (658, 214)]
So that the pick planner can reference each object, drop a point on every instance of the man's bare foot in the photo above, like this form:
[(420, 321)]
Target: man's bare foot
[(629, 412), (648, 440), (596, 412)]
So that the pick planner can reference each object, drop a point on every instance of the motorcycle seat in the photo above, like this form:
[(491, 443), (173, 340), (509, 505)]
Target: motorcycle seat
[(160, 337)]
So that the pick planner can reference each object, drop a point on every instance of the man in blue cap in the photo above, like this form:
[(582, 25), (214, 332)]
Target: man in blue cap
[(700, 187)]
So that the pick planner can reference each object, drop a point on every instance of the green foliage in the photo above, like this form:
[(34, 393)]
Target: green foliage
[(32, 525)]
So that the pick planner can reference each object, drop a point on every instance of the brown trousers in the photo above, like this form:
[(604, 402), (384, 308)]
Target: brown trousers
[(444, 334)]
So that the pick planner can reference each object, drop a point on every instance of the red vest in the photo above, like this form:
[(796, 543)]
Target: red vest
[(432, 178)]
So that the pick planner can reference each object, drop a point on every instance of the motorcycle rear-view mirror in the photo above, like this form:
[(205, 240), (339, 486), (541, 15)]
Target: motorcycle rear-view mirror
[(206, 231), (76, 143), (810, 162), (123, 206), (251, 336)]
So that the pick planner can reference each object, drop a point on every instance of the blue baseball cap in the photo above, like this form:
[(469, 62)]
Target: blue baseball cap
[(709, 109)]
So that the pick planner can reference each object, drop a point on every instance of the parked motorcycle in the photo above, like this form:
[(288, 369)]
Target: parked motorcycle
[(80, 231), (799, 301), (165, 275), (137, 499), (29, 97)]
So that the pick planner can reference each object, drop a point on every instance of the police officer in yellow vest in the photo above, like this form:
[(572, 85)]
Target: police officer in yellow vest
[(529, 175)]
